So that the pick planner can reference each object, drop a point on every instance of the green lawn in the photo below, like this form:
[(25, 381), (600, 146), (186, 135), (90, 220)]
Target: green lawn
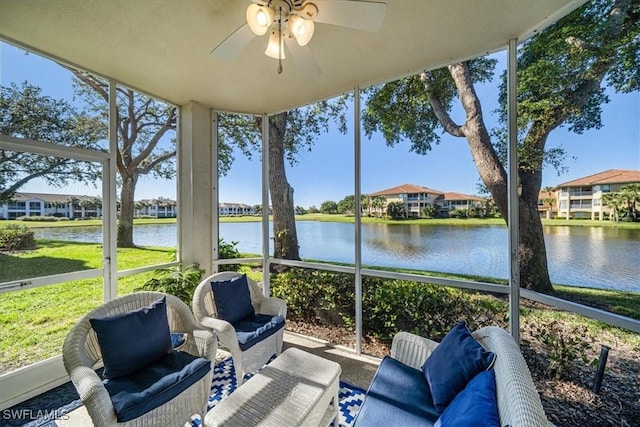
[(34, 322)]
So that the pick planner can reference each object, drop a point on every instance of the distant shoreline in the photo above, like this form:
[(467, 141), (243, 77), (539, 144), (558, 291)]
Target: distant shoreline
[(338, 218)]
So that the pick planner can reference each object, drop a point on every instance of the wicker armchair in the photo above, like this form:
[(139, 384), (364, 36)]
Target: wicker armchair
[(81, 356), (257, 355)]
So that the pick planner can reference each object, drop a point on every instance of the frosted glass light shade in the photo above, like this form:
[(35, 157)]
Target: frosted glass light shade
[(259, 18), (272, 50), (302, 29)]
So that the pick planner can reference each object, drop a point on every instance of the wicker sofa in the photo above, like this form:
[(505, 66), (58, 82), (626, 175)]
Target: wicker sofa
[(388, 402)]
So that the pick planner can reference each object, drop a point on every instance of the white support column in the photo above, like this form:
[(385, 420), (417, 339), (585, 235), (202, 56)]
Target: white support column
[(215, 201), (265, 206), (195, 186), (358, 217), (109, 205), (514, 223)]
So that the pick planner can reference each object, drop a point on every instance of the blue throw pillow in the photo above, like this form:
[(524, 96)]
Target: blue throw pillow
[(453, 363), (232, 299), (475, 406), (132, 340)]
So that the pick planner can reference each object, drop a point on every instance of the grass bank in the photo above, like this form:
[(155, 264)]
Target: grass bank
[(34, 322), (343, 218)]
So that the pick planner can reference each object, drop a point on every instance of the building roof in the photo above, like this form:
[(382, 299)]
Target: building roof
[(612, 176), (460, 196), (234, 205), (160, 201), (405, 189), (163, 47), (544, 195), (50, 198)]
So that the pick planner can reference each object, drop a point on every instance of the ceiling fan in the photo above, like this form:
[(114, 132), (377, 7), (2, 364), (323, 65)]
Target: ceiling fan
[(291, 23)]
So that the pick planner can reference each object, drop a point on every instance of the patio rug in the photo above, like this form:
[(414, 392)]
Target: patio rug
[(42, 410)]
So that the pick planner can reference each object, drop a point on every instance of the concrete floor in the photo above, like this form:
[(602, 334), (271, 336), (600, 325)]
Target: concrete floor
[(356, 370)]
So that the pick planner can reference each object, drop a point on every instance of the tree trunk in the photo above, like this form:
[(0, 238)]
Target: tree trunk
[(532, 256), (284, 222), (127, 206), (532, 252)]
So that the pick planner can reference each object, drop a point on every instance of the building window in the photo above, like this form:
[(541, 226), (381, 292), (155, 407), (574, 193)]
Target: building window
[(596, 202), (563, 204), (605, 188), (34, 205)]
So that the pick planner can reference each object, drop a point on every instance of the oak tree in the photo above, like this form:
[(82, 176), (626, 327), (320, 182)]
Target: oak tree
[(290, 133), (27, 113), (562, 76)]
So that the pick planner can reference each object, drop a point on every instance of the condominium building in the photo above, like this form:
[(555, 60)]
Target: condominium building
[(547, 204), (415, 198), (75, 206), (450, 201), (158, 208), (58, 205), (582, 197), (227, 209)]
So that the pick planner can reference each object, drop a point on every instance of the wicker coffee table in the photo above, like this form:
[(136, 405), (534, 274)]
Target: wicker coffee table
[(296, 389)]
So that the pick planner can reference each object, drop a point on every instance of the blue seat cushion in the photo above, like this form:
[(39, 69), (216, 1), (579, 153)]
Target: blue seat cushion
[(132, 340), (135, 395), (253, 329), (453, 363), (398, 395), (232, 298), (475, 406)]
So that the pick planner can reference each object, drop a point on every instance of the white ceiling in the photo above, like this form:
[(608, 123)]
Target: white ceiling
[(162, 47)]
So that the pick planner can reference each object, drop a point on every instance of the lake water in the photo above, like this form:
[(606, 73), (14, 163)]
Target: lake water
[(599, 257)]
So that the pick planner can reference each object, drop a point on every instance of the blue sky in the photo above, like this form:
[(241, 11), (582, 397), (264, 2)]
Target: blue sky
[(326, 173)]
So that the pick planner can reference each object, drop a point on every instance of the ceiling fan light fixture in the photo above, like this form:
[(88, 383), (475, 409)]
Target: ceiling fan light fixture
[(275, 48), (302, 29), (259, 18)]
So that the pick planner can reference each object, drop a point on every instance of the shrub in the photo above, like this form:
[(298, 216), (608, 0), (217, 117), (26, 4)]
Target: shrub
[(424, 309), (459, 213), (564, 346), (178, 281), (15, 237), (34, 218), (228, 251), (388, 305), (313, 294)]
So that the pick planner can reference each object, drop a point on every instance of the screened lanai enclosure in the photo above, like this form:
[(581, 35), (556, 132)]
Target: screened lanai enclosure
[(200, 58)]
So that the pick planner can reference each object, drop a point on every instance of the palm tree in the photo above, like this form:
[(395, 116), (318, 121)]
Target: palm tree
[(378, 204), (614, 201), (629, 196), (396, 210), (549, 201), (365, 204)]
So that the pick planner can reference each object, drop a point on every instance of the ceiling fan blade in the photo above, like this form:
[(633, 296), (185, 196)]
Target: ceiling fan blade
[(361, 15), (302, 58), (234, 43)]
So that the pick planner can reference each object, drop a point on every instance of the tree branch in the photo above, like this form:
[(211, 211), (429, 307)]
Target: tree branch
[(440, 111)]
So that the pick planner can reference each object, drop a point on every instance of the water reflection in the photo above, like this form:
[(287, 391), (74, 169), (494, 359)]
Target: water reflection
[(584, 256)]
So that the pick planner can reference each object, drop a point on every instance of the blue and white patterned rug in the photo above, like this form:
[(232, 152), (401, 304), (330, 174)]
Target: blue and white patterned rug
[(224, 383), (42, 411)]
